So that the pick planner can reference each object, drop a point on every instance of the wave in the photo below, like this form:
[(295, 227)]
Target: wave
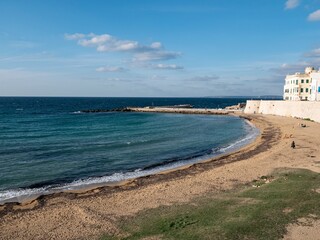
[(77, 112), (20, 195), (240, 143)]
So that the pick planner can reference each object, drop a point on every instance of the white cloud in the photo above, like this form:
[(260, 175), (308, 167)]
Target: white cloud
[(313, 54), (110, 69), (290, 4), (315, 16), (155, 56), (286, 68), (156, 45), (94, 40), (292, 68), (167, 66), (158, 77), (127, 45), (308, 59), (108, 43), (74, 36)]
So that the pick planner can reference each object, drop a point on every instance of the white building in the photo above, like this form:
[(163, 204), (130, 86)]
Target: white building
[(315, 86), (297, 86)]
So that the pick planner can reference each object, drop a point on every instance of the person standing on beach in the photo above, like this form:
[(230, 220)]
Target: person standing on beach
[(293, 145)]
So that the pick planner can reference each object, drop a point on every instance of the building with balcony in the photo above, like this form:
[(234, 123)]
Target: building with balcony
[(297, 86)]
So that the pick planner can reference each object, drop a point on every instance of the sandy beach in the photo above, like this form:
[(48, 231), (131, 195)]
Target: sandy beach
[(90, 214)]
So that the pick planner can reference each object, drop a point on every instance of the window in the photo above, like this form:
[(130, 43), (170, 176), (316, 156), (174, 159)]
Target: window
[(307, 80), (302, 81), (307, 89), (296, 82), (301, 90)]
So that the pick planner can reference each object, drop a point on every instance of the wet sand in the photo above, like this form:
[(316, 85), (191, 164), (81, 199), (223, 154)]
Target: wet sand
[(89, 214)]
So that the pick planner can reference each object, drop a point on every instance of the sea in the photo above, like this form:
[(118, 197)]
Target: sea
[(47, 144)]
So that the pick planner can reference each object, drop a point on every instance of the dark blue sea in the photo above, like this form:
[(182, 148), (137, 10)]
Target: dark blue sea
[(48, 145)]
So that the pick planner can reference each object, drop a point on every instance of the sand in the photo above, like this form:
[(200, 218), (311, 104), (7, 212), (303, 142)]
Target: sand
[(90, 214), (305, 228)]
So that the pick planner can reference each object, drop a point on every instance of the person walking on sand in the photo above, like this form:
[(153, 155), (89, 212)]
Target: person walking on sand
[(293, 145)]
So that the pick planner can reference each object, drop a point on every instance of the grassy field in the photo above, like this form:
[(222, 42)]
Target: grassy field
[(260, 210)]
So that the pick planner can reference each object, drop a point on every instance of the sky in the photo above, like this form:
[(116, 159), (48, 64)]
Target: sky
[(144, 48)]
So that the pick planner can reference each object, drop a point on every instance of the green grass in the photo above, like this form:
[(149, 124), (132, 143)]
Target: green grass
[(260, 212), (308, 119)]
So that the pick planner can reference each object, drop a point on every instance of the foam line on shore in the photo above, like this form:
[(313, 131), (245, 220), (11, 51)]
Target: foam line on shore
[(21, 195)]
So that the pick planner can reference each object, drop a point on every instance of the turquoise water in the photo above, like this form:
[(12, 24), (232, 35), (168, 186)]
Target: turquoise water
[(47, 145)]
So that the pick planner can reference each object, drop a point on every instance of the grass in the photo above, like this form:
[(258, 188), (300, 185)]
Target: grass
[(308, 119), (259, 212)]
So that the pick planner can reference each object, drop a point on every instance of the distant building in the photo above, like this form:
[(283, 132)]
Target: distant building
[(299, 86), (315, 86)]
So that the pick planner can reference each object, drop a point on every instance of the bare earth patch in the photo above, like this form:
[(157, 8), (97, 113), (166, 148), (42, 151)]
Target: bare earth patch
[(317, 190), (306, 228)]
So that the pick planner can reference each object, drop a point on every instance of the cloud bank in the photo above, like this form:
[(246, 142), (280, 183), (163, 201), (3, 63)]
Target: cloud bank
[(167, 67), (107, 43), (311, 58), (315, 53), (110, 69)]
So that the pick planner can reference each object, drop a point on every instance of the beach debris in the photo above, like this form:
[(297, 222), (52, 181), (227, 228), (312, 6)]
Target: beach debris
[(267, 179), (293, 144), (262, 180), (287, 210)]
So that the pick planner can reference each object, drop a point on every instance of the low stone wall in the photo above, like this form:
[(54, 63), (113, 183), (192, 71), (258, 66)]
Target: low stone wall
[(300, 109)]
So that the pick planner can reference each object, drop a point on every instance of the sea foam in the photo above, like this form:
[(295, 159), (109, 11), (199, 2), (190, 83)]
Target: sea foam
[(20, 195)]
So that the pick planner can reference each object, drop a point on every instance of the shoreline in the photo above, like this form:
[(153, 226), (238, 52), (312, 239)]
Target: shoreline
[(89, 215), (72, 187), (127, 184)]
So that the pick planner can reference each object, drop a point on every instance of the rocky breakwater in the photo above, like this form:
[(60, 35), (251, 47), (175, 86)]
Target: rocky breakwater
[(106, 110), (182, 110)]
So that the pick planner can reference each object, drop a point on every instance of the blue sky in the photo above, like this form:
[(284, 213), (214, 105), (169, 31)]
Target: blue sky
[(150, 48)]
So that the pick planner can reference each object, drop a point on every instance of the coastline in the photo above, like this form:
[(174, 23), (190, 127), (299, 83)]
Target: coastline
[(270, 151), (86, 185)]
